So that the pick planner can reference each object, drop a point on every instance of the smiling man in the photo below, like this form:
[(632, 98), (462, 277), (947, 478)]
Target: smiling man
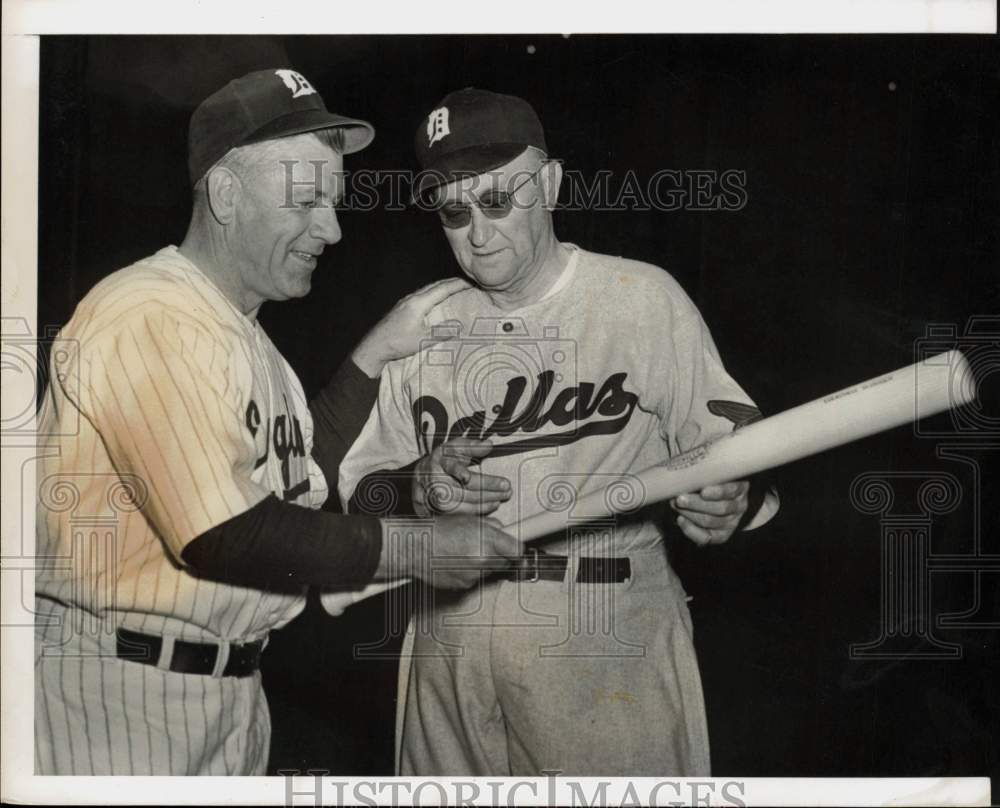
[(570, 371), (183, 471)]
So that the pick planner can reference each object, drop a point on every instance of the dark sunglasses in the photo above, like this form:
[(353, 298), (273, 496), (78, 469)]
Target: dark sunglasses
[(493, 204)]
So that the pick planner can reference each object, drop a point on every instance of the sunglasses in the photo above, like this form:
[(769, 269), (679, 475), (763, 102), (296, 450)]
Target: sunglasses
[(492, 204)]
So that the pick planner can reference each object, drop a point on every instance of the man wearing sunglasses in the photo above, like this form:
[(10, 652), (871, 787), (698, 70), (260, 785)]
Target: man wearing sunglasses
[(567, 371)]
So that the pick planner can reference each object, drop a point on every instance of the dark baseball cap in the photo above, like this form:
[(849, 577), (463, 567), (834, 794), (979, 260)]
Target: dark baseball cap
[(471, 132), (263, 105)]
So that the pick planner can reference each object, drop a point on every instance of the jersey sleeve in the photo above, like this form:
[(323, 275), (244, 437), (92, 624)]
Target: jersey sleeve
[(705, 401), (159, 391), (388, 439)]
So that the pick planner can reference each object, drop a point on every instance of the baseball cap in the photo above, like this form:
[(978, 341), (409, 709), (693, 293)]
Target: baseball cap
[(263, 105), (473, 131)]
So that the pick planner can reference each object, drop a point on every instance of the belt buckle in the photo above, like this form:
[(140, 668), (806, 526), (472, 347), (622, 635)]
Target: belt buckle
[(536, 574)]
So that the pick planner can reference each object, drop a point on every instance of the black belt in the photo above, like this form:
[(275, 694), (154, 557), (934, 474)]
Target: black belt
[(536, 565), (189, 657)]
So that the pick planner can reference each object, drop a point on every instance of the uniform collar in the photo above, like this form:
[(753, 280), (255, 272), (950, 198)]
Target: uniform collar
[(560, 283), (566, 275), (213, 296)]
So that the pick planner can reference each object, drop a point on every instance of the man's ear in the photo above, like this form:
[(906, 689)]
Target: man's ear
[(223, 188), (551, 179)]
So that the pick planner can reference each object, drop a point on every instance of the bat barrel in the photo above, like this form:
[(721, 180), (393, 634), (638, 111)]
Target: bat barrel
[(903, 396), (936, 384)]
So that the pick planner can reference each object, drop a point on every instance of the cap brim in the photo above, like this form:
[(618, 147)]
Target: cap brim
[(357, 133), (468, 162)]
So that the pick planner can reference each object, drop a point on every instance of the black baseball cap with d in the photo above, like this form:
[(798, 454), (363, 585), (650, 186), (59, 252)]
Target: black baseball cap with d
[(263, 105), (470, 132)]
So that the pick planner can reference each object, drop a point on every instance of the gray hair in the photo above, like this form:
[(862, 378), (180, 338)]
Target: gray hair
[(247, 161)]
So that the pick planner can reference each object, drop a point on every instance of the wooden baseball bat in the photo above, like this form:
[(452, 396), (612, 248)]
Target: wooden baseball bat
[(928, 387)]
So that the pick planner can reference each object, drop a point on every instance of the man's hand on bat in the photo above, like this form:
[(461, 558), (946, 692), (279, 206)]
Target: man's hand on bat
[(448, 480), (712, 515)]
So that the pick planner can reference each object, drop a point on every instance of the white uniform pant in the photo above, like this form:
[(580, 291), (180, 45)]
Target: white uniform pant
[(521, 678), (96, 714)]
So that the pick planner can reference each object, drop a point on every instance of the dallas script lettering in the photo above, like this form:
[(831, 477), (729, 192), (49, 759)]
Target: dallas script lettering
[(584, 408)]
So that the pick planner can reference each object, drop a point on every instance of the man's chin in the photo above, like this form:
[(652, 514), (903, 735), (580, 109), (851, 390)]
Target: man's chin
[(297, 290), (494, 278)]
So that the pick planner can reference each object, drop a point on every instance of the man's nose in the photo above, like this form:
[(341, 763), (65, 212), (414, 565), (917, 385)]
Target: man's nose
[(481, 228), (325, 225)]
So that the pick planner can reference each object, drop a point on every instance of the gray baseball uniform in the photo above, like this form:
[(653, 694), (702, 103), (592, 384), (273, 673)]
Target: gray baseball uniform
[(611, 372)]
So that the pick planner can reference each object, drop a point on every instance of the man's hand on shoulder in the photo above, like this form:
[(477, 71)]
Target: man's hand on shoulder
[(448, 481), (406, 328), (712, 515)]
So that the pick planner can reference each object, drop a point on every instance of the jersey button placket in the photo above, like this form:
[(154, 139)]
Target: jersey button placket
[(265, 367), (497, 379), (496, 383)]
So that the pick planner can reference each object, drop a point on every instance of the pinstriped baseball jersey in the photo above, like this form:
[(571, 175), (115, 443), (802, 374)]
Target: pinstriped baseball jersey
[(172, 413)]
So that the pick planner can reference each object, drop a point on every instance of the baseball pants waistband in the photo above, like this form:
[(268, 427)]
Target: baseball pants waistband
[(181, 656), (537, 565), (61, 629)]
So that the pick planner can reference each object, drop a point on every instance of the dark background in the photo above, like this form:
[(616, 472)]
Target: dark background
[(872, 211)]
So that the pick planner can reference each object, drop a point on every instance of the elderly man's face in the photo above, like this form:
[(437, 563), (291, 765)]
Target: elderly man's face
[(286, 217), (500, 254)]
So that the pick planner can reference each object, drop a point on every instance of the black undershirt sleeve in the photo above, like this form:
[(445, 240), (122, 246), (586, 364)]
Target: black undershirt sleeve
[(385, 493), (280, 546), (339, 414)]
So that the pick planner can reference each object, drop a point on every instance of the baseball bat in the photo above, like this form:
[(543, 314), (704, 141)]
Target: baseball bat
[(928, 387)]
